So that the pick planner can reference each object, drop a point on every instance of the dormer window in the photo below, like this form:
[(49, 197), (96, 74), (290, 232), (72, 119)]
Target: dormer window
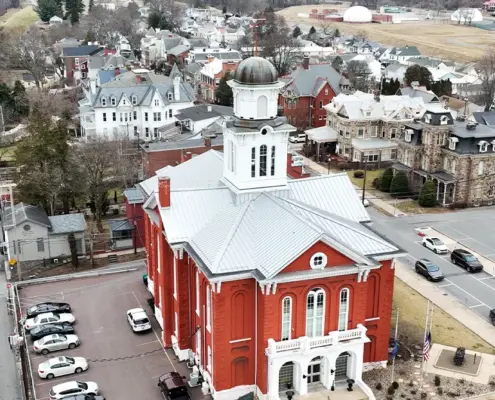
[(453, 142), (427, 118), (444, 120), (493, 145), (483, 146), (408, 135), (103, 101), (113, 101), (169, 96), (134, 100), (156, 102), (124, 102), (367, 113)]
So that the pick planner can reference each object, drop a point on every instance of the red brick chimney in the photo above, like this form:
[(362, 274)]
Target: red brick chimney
[(207, 142), (116, 71), (164, 191), (185, 156), (305, 63), (138, 79)]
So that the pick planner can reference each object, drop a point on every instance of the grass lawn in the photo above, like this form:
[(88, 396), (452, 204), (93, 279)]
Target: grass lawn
[(18, 20), (446, 330), (412, 207), (370, 177)]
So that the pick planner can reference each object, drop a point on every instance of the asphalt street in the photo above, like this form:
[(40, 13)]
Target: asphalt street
[(472, 228)]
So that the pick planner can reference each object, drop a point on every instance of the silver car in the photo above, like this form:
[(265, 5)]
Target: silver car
[(55, 342)]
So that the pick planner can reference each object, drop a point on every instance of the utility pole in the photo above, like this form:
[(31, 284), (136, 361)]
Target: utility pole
[(364, 178), (2, 121)]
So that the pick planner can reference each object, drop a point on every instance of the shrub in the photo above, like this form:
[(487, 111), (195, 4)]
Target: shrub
[(413, 392), (462, 381), (439, 391), (411, 383), (376, 183), (428, 194), (391, 390), (424, 395), (437, 380), (395, 385), (386, 180), (399, 185), (359, 174), (378, 386)]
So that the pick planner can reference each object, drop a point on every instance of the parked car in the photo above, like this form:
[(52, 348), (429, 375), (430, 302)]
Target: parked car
[(47, 307), (429, 270), (59, 366), (55, 342), (49, 318), (138, 320), (50, 329), (466, 260), (173, 387), (492, 316), (84, 397), (72, 388), (299, 138), (435, 244)]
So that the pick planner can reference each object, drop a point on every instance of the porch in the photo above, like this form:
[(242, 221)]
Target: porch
[(340, 393)]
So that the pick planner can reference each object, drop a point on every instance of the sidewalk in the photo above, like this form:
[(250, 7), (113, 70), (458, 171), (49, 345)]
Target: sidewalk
[(448, 304), (383, 205)]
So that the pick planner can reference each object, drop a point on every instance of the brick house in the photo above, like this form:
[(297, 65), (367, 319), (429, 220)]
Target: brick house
[(458, 156), (257, 281), (76, 59), (308, 89), (211, 73), (133, 200)]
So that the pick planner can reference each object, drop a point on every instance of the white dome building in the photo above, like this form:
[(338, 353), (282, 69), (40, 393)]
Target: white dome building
[(466, 16), (357, 14)]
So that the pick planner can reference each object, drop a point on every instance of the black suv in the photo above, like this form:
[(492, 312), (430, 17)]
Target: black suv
[(429, 270), (49, 306), (466, 260), (173, 387), (50, 329)]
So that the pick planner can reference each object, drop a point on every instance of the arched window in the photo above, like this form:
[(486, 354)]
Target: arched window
[(253, 162), (315, 312), (263, 151), (262, 107), (272, 166), (286, 318), (343, 309)]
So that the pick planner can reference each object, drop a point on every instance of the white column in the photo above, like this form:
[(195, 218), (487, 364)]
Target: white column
[(298, 374), (273, 377)]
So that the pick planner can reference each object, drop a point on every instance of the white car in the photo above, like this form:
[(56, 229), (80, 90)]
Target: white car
[(138, 320), (49, 318), (59, 366), (299, 138), (55, 342), (73, 388), (435, 244)]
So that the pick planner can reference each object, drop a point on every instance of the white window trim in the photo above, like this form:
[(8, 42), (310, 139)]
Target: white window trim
[(209, 366), (374, 131), (483, 146), (175, 278), (313, 258), (176, 325), (346, 311), (452, 144), (158, 248), (481, 168), (197, 293), (208, 308), (315, 293), (113, 101), (289, 336), (103, 101)]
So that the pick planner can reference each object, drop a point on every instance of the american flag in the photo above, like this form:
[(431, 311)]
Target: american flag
[(427, 346)]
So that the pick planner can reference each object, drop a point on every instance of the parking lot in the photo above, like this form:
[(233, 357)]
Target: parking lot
[(125, 365)]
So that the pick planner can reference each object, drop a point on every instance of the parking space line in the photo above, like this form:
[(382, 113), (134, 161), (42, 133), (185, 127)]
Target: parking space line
[(442, 286), (144, 344), (52, 382), (469, 294), (483, 283), (157, 337), (479, 305), (486, 278)]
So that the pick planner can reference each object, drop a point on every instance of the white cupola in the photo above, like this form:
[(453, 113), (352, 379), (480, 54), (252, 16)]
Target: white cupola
[(255, 139)]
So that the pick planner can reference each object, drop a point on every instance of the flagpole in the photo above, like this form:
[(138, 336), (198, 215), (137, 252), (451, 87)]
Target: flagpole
[(395, 342), (429, 331), (424, 339)]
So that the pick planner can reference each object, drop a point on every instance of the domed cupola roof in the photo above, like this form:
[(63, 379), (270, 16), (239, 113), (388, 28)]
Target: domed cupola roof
[(256, 71)]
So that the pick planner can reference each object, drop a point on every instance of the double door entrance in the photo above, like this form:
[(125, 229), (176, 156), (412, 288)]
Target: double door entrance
[(315, 370)]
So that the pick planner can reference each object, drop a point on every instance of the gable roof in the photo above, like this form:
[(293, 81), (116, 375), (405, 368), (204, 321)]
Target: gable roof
[(80, 50), (304, 81), (23, 213), (485, 117), (204, 111), (134, 196), (67, 223), (406, 51)]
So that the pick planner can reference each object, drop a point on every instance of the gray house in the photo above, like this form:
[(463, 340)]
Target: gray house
[(37, 236)]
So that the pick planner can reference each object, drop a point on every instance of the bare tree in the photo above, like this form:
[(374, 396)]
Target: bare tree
[(486, 70), (358, 74)]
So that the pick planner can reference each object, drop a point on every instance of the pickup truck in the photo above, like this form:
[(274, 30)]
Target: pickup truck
[(172, 386)]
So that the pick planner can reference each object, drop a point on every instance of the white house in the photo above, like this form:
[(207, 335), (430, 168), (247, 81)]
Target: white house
[(36, 236), (137, 104), (402, 54), (200, 117)]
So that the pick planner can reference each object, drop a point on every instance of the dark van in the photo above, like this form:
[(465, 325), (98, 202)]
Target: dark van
[(173, 387)]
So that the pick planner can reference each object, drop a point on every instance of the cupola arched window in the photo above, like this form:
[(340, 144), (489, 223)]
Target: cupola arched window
[(272, 165), (343, 309), (263, 155), (315, 312), (253, 162)]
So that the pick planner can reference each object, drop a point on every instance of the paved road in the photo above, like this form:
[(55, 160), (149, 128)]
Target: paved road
[(9, 389), (474, 228)]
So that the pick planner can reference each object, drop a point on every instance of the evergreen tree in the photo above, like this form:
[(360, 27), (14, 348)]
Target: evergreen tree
[(92, 3), (90, 37), (296, 32), (386, 86), (47, 9), (336, 33), (312, 31), (396, 85), (223, 94), (338, 64), (74, 10), (400, 184), (428, 194), (224, 10), (19, 100), (386, 180)]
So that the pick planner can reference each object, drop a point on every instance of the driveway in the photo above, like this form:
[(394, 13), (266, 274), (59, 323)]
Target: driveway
[(125, 365)]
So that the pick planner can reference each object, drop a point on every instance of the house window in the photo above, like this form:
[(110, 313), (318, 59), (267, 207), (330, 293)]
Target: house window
[(453, 166), (41, 245), (103, 101), (326, 92), (156, 102), (286, 318), (230, 153), (146, 116), (104, 117), (343, 309), (347, 135), (253, 162), (407, 136), (263, 151), (170, 113), (443, 120), (208, 308), (134, 113), (210, 359), (315, 312), (134, 100), (135, 130), (157, 116), (483, 146), (175, 278), (169, 96), (155, 132), (427, 118), (197, 292), (491, 190), (393, 133), (393, 154), (360, 133), (367, 113), (453, 143), (113, 101), (114, 116), (147, 132), (481, 167), (272, 166), (321, 104), (318, 261), (374, 131), (123, 102), (493, 145)]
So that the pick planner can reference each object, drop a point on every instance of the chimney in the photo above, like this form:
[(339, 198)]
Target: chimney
[(207, 142), (210, 58), (209, 108), (305, 63), (177, 88), (116, 71), (185, 156), (138, 79), (164, 191)]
